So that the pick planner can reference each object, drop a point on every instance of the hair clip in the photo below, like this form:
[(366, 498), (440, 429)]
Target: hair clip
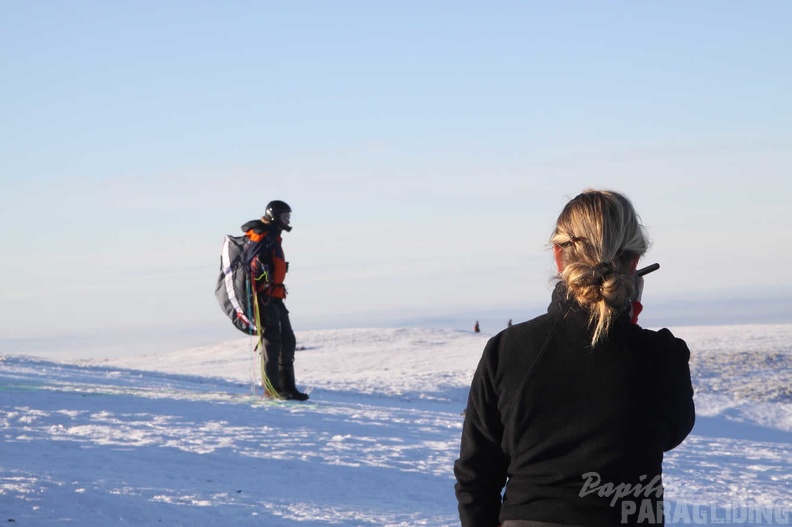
[(572, 241), (601, 271)]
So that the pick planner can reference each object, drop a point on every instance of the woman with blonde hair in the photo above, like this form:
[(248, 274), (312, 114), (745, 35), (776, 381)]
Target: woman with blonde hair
[(571, 411)]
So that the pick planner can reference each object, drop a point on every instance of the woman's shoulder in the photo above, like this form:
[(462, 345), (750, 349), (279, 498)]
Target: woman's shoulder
[(662, 340), (662, 334), (519, 338), (523, 329)]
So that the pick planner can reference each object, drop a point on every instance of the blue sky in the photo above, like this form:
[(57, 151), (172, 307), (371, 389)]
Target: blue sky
[(425, 147)]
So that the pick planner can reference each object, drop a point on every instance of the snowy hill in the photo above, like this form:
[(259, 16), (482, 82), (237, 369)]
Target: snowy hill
[(179, 439)]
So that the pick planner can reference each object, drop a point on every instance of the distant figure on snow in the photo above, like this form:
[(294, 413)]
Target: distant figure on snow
[(264, 254), (580, 399), (476, 328)]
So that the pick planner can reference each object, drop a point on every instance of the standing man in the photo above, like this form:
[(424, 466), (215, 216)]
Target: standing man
[(264, 256)]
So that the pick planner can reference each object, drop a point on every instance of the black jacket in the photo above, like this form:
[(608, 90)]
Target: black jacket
[(547, 415)]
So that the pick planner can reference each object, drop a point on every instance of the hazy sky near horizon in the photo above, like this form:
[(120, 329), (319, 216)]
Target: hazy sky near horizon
[(426, 149)]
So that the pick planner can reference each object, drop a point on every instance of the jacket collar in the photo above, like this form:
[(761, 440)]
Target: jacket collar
[(562, 304)]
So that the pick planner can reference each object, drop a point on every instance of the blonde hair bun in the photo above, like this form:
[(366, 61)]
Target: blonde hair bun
[(600, 236)]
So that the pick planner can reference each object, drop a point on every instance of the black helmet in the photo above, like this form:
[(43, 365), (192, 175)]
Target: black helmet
[(279, 213)]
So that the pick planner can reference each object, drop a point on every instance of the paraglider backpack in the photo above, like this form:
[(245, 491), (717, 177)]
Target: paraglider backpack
[(244, 269)]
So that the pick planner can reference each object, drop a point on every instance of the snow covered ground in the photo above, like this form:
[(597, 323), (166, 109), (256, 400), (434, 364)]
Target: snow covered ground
[(179, 439)]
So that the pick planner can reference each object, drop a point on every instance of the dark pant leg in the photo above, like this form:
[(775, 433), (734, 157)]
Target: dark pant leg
[(273, 340), (530, 523), (288, 340), (288, 346)]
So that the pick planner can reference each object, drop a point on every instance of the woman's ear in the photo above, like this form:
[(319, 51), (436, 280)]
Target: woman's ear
[(558, 254)]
